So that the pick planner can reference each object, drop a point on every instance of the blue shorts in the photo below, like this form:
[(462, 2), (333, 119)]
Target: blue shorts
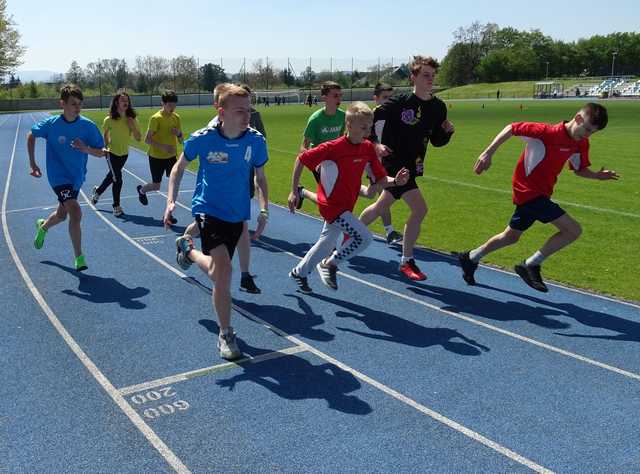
[(540, 209), (65, 192)]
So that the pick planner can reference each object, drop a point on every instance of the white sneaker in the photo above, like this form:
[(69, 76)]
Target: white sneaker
[(117, 211), (94, 195), (228, 346)]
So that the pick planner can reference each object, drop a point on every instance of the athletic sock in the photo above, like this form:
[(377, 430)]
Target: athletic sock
[(404, 259), (476, 254), (536, 259), (388, 229)]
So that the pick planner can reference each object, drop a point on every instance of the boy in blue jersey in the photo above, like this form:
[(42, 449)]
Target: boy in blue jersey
[(70, 139), (221, 202)]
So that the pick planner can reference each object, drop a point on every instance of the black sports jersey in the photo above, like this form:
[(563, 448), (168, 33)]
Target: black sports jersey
[(410, 123)]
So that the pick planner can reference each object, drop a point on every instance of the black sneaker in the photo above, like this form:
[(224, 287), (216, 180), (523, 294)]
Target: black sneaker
[(468, 267), (303, 285), (328, 275), (172, 220), (142, 197), (531, 276), (394, 237), (247, 284), (300, 197)]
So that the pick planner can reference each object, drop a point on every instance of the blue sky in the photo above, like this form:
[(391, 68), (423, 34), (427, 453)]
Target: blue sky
[(55, 33)]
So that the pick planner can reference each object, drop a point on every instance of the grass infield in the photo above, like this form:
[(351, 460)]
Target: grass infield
[(465, 209)]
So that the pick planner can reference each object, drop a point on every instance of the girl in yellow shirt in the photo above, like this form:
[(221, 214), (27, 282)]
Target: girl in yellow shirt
[(118, 127)]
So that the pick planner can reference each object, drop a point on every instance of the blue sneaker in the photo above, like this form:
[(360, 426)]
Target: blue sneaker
[(184, 245)]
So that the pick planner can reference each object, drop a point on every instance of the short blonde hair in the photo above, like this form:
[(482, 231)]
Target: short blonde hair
[(359, 110), (217, 90), (231, 91), (419, 61)]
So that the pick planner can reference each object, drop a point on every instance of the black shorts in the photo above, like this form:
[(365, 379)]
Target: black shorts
[(398, 191), (215, 232), (540, 209), (65, 192), (160, 166)]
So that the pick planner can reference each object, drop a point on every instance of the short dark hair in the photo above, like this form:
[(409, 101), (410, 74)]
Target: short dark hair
[(328, 87), (382, 87), (597, 115), (71, 90), (169, 96)]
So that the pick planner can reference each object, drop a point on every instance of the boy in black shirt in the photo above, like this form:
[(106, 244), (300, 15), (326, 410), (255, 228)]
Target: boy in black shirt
[(403, 127)]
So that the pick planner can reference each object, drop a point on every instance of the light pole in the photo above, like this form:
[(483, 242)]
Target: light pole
[(547, 69), (613, 62)]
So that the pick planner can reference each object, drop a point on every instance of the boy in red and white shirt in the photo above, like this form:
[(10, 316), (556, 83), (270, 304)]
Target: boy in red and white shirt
[(548, 148), (343, 162)]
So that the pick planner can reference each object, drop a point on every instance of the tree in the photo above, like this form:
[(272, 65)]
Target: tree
[(33, 90), (74, 74), (185, 73), (264, 73), (287, 78), (211, 75), (155, 70), (11, 51)]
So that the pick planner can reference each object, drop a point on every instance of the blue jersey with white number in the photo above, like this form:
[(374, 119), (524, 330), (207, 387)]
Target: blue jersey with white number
[(222, 184), (65, 164)]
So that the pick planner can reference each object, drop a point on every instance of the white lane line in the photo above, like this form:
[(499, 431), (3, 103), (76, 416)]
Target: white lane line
[(389, 391), (504, 191), (160, 236), (468, 319), (108, 387), (102, 201), (183, 377)]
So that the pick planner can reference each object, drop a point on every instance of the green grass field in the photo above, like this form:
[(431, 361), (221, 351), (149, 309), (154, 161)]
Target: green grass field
[(465, 209)]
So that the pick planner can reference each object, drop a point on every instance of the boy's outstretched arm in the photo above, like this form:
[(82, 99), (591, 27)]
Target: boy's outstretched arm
[(603, 174), (484, 160), (174, 186)]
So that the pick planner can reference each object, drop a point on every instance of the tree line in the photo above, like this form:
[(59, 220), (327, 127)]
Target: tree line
[(488, 53)]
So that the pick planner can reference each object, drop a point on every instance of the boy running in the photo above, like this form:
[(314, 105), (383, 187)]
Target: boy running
[(548, 148), (347, 156), (323, 125), (221, 199), (163, 135), (117, 127), (244, 244), (70, 139), (382, 92), (404, 126)]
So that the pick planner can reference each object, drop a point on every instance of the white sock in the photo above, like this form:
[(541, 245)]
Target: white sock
[(476, 254), (404, 259), (225, 331), (388, 228), (536, 259)]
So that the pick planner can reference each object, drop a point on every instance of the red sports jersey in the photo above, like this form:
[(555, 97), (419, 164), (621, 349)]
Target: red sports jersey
[(350, 161), (548, 148)]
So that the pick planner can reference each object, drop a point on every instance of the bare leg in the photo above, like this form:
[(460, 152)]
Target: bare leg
[(150, 187), (217, 266), (75, 216), (505, 238), (568, 231), (55, 218), (382, 205), (418, 208)]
